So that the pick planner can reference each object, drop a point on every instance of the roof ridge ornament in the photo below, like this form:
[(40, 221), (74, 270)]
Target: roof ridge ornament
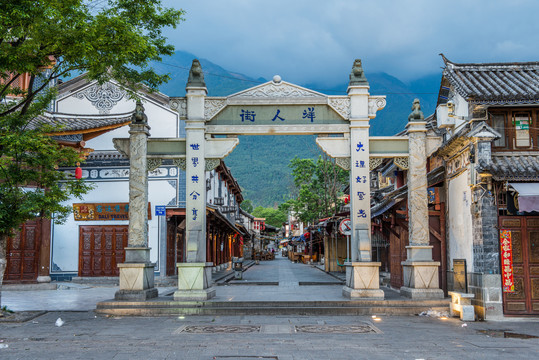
[(196, 75), (416, 114), (357, 76)]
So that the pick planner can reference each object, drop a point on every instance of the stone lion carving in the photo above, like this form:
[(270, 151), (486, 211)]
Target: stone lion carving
[(357, 76), (416, 114), (139, 117), (196, 76)]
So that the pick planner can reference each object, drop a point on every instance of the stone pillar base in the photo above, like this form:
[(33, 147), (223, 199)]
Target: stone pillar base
[(136, 282), (362, 280), (362, 293), (421, 280), (194, 282), (136, 295), (195, 295)]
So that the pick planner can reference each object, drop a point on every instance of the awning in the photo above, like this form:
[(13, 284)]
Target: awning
[(380, 209), (528, 196)]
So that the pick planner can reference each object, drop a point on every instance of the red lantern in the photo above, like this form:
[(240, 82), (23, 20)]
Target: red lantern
[(78, 172), (347, 199)]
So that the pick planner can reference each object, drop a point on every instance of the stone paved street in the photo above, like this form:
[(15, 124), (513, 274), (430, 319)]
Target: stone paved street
[(86, 335)]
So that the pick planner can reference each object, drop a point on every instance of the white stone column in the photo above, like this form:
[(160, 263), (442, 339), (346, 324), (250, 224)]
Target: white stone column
[(194, 276), (419, 271), (362, 275), (137, 273)]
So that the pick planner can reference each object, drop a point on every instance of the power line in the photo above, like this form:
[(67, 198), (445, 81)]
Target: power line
[(319, 90)]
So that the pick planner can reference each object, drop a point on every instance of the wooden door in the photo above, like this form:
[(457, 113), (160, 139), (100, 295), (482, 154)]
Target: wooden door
[(397, 252), (23, 253), (171, 246), (525, 243), (101, 248), (436, 240)]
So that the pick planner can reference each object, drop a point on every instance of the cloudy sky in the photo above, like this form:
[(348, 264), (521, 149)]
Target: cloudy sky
[(308, 41)]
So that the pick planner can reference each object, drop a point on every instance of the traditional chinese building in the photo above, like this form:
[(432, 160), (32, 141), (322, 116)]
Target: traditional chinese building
[(483, 190), (91, 242), (491, 152)]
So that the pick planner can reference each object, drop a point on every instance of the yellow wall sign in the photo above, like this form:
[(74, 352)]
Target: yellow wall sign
[(103, 211)]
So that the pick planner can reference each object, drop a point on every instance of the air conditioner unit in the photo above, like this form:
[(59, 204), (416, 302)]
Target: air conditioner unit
[(442, 117)]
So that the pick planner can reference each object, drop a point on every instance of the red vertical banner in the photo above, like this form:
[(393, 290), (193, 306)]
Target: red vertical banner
[(506, 252)]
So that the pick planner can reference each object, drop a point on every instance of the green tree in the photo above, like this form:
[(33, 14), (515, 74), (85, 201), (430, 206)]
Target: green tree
[(41, 42), (247, 206), (274, 217), (318, 188)]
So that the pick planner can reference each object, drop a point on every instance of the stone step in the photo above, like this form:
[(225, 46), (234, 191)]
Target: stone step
[(367, 307)]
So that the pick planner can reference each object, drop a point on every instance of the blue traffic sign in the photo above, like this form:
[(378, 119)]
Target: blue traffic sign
[(160, 210)]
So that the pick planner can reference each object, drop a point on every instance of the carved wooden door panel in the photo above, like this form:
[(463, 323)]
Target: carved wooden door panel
[(101, 248), (525, 243), (23, 253), (532, 234)]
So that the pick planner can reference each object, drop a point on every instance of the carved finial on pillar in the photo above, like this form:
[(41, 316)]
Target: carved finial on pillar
[(416, 114), (196, 76), (139, 117), (357, 76)]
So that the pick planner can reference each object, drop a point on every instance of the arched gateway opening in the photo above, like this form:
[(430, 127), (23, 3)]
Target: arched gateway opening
[(341, 124)]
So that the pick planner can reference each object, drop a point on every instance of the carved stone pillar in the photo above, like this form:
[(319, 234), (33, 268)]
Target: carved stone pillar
[(137, 273), (362, 278), (194, 276), (419, 271)]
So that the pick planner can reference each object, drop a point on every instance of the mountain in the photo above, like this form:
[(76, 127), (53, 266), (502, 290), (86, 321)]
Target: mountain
[(219, 81), (260, 163)]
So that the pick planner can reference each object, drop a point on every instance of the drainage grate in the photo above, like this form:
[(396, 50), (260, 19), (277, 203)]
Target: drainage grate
[(214, 329), (278, 329), (245, 357), (338, 329), (506, 334)]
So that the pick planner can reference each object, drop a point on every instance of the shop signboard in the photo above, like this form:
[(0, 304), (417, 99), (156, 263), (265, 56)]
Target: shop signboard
[(103, 211)]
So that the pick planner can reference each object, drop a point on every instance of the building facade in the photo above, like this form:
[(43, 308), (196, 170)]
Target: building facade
[(91, 242), (483, 173)]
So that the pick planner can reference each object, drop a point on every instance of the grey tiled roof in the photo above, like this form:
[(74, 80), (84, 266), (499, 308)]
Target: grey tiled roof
[(495, 83), (515, 167), (72, 123), (105, 156)]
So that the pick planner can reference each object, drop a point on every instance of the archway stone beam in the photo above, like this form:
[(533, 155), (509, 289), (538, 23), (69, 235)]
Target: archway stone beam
[(175, 148), (380, 146)]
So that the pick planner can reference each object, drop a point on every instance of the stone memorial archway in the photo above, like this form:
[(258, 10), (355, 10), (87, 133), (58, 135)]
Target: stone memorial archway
[(281, 108)]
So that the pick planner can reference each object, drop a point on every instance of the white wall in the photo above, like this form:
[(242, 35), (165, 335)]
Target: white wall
[(460, 242), (65, 237), (163, 121), (461, 111)]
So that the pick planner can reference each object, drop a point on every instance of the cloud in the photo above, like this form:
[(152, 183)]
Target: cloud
[(318, 40)]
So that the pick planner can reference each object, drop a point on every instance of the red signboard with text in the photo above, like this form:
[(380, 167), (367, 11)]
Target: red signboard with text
[(506, 253)]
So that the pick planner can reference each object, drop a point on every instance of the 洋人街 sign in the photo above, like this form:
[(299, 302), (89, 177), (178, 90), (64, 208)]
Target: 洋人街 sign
[(277, 115), (102, 211), (506, 253)]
